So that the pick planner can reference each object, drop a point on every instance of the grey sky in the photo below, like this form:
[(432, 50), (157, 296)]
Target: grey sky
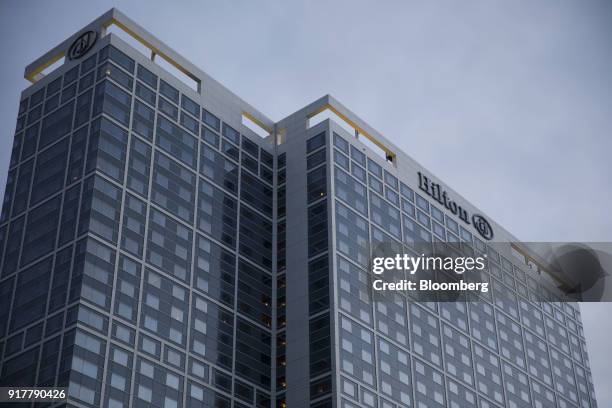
[(509, 102)]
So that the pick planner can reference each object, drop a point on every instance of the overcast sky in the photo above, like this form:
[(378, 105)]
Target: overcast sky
[(510, 103)]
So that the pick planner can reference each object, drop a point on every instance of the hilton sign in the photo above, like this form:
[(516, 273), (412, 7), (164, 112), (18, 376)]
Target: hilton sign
[(435, 191), (82, 45)]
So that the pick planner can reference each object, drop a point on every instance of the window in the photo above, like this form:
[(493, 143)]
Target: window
[(315, 142), (107, 149), (147, 76), (211, 120), (176, 141), (190, 106), (395, 377), (385, 215), (190, 123), (217, 213), (168, 108), (31, 294), (119, 57), (316, 184), (351, 192), (169, 245), (375, 185), (164, 307), (81, 392), (341, 160), (231, 134), (173, 187), (318, 285), (254, 293), (256, 194), (341, 144), (358, 156), (56, 125), (352, 237), (30, 139), (68, 93), (169, 91), (40, 231), (320, 387), (255, 237), (11, 254), (214, 271), (144, 393), (83, 105), (95, 262), (425, 329), (111, 71), (210, 137), (145, 94), (316, 158), (50, 169), (101, 209), (250, 147), (375, 168), (132, 239), (320, 345), (142, 120), (317, 229), (231, 150), (113, 101), (391, 180), (357, 352), (138, 167), (253, 353), (215, 341), (218, 169)]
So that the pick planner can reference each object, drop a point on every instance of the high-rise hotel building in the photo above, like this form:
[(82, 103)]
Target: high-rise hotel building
[(165, 244)]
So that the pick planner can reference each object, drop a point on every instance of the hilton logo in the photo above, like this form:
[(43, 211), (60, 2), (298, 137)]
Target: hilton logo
[(82, 45), (434, 190), (482, 226)]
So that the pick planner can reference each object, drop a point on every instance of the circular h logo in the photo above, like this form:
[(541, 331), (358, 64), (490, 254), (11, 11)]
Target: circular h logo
[(482, 226), (82, 45)]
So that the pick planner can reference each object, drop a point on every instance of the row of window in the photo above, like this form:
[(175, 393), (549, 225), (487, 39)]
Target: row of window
[(353, 240), (281, 282), (485, 373), (492, 328), (318, 271), (386, 185), (415, 233)]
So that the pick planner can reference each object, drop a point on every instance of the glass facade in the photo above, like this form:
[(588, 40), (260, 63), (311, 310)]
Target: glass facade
[(136, 246), (155, 253), (502, 349)]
